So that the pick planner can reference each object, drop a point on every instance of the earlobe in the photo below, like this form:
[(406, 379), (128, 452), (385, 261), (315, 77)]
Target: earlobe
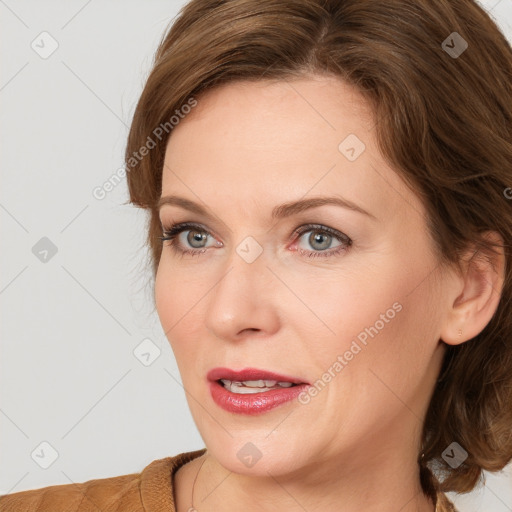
[(482, 279)]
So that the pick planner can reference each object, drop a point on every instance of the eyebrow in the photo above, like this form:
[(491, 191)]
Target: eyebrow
[(278, 212)]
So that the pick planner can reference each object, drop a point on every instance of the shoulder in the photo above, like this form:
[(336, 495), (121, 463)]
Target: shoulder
[(145, 491), (91, 495)]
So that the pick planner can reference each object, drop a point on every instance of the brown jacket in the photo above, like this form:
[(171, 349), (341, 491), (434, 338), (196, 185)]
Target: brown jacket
[(151, 490)]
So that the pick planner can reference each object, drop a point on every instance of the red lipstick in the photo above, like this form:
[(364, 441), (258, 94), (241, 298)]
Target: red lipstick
[(234, 396)]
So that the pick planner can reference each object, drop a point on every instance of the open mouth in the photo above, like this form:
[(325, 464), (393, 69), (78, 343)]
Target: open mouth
[(252, 390), (254, 386)]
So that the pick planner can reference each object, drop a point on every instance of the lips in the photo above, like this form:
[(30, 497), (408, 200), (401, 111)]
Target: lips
[(254, 403), (251, 374)]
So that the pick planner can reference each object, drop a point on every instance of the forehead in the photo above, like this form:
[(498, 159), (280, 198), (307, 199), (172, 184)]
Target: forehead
[(282, 140)]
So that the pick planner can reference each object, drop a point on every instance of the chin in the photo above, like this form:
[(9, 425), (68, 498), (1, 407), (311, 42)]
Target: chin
[(256, 454)]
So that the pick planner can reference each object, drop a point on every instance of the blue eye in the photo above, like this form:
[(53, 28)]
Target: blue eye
[(195, 237), (321, 237)]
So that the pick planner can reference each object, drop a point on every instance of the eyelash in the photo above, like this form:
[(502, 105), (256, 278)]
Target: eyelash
[(171, 232)]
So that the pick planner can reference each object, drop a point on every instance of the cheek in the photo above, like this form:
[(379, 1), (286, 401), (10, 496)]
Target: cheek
[(165, 296), (395, 330), (174, 297), (179, 301), (345, 302), (176, 290), (381, 314)]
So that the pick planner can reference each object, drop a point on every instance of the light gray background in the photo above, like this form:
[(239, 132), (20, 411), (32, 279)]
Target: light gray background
[(70, 324)]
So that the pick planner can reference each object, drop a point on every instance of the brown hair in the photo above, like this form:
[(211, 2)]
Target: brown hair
[(444, 122)]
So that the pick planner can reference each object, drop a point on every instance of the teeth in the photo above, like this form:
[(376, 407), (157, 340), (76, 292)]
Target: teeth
[(246, 390), (258, 383), (253, 386)]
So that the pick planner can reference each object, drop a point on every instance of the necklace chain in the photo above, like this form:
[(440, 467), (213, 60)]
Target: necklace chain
[(194, 484)]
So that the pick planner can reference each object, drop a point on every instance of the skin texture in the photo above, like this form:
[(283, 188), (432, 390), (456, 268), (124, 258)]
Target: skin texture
[(244, 149)]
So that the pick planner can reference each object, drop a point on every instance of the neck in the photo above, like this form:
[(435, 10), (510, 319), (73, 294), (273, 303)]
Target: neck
[(383, 483)]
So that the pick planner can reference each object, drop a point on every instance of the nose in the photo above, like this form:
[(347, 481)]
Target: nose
[(245, 300)]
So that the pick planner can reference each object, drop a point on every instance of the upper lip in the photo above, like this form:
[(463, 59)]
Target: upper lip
[(251, 374)]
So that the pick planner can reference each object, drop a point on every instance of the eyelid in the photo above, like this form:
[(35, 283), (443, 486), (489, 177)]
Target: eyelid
[(304, 228), (175, 229), (167, 219), (183, 226)]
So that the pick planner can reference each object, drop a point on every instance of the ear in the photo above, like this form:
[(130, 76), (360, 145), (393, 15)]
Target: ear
[(477, 294)]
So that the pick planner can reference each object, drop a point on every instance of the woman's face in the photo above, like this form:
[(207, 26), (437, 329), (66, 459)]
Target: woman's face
[(358, 318)]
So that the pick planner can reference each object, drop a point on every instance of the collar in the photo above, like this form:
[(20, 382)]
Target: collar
[(156, 481)]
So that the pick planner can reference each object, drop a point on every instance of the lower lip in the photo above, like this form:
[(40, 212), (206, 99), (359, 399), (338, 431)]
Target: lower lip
[(253, 403)]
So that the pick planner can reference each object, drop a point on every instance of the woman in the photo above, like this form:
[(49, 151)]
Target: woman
[(328, 187)]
